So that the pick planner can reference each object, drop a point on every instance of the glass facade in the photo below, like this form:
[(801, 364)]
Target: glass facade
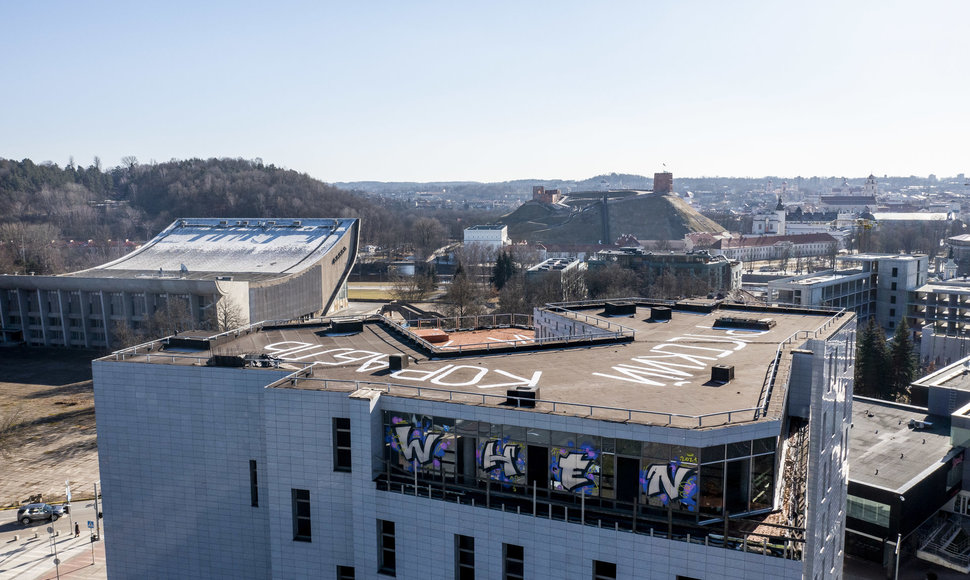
[(739, 477), (867, 510)]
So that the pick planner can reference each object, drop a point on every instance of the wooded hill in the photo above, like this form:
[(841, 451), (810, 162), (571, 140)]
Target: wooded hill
[(50, 213)]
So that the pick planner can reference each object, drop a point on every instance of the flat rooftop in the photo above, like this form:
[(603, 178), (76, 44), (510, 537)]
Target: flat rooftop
[(661, 376), (885, 452), (246, 249), (953, 376)]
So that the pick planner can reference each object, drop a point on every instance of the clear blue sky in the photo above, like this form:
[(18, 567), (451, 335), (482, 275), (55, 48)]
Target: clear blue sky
[(490, 91)]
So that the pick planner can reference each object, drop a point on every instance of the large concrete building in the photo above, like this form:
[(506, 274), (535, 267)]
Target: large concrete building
[(604, 440), (264, 269), (880, 285), (715, 271)]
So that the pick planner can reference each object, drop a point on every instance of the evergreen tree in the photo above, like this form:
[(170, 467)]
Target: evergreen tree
[(872, 363), (504, 270), (905, 363)]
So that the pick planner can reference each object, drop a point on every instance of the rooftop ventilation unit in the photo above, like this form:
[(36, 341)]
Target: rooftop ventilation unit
[(620, 309), (398, 361), (660, 313), (224, 360), (722, 373), (348, 325), (297, 223), (524, 397), (746, 323)]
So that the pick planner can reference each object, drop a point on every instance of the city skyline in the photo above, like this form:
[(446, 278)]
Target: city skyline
[(436, 92)]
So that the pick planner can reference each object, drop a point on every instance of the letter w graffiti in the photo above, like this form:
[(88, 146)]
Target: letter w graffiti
[(505, 460), (413, 445)]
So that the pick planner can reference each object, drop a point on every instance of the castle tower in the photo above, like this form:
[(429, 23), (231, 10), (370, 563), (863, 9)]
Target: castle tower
[(663, 183)]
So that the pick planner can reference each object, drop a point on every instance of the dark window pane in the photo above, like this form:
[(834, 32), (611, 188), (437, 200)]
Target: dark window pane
[(715, 453), (739, 449), (766, 445)]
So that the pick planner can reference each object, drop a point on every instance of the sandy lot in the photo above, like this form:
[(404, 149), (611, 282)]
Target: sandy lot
[(49, 394)]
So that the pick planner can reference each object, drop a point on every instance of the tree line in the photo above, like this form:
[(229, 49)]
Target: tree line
[(61, 219)]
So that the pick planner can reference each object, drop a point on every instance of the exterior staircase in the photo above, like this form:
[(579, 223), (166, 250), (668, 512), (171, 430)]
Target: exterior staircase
[(947, 543)]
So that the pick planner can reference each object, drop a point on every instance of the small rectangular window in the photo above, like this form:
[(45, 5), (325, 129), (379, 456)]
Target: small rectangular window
[(345, 573), (893, 286), (464, 557), (341, 444), (301, 515), (387, 558), (513, 562), (895, 272), (253, 488), (604, 570), (892, 312)]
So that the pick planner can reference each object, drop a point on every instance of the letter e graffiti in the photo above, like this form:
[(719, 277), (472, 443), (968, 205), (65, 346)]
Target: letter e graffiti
[(573, 470)]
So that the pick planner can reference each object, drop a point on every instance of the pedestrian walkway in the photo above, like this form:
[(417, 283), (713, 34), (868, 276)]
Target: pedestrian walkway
[(76, 563), (30, 557)]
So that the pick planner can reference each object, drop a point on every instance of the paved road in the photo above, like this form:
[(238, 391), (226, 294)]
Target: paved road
[(27, 553)]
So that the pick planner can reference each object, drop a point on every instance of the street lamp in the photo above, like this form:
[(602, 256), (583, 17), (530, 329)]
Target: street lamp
[(899, 540)]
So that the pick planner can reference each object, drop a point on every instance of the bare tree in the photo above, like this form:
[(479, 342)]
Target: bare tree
[(464, 297), (173, 317), (123, 335), (408, 288), (428, 235), (228, 314)]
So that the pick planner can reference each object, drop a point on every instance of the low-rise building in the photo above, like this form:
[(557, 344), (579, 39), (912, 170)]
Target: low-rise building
[(758, 248), (262, 269), (494, 237), (716, 271), (853, 290)]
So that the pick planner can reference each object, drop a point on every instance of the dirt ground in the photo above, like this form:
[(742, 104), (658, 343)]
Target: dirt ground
[(47, 429)]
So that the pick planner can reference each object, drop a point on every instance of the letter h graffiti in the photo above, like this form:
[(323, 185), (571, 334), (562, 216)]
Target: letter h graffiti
[(505, 457)]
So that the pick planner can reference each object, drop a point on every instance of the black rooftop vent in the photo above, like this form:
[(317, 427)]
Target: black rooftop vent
[(347, 325), (226, 360), (746, 323), (660, 313), (398, 361), (620, 309), (524, 397), (722, 373)]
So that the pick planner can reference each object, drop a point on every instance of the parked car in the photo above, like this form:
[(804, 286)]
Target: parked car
[(36, 512)]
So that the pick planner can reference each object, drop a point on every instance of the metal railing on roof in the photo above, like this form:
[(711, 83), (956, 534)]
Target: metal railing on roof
[(586, 410), (771, 374), (613, 331)]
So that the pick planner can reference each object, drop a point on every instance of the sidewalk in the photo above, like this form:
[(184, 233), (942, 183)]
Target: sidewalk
[(77, 565)]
